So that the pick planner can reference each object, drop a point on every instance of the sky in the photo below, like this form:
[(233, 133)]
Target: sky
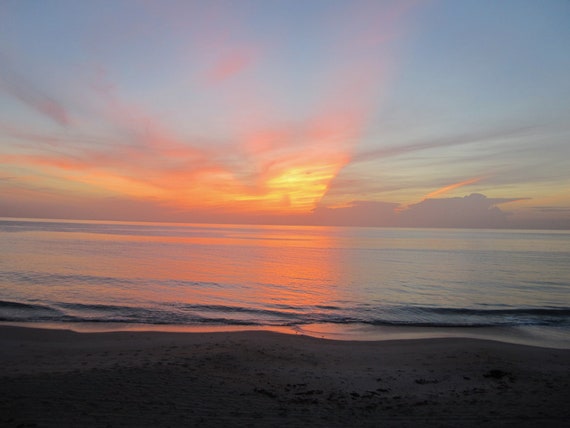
[(364, 113)]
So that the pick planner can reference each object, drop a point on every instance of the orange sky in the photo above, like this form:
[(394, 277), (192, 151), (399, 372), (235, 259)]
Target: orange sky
[(213, 112)]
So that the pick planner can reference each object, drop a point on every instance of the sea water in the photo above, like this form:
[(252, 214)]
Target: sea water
[(300, 277)]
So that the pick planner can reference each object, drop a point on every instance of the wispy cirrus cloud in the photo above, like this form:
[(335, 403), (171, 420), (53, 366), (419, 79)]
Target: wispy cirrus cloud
[(264, 162), (26, 91), (486, 136), (268, 164)]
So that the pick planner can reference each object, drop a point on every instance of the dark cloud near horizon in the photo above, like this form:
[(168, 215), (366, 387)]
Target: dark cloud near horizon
[(28, 205), (359, 213), (547, 209), (472, 211)]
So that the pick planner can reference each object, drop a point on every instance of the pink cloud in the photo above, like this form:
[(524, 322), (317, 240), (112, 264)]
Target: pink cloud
[(229, 64), (267, 163), (28, 93)]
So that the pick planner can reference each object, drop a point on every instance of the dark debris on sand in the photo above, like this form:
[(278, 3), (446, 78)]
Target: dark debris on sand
[(266, 383)]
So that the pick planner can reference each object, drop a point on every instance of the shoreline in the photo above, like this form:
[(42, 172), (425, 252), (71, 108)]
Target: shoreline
[(55, 377), (538, 336)]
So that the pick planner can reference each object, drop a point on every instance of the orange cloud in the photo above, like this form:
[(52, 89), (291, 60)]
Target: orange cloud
[(266, 165), (451, 187)]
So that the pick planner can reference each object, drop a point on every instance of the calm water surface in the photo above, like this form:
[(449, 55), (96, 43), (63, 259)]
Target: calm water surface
[(226, 275)]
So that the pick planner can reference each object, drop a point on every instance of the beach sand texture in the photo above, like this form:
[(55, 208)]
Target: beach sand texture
[(58, 378)]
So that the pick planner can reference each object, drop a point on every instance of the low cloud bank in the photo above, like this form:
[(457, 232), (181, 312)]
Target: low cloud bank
[(472, 211)]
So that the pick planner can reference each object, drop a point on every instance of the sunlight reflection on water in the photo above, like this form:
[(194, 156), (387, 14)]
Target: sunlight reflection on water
[(274, 275)]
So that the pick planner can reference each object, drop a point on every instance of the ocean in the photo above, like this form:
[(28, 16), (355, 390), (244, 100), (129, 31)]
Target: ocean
[(121, 275)]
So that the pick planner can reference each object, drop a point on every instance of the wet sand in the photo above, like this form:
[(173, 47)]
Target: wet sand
[(59, 378)]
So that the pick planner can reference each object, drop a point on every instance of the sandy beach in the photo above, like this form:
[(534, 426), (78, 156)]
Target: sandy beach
[(60, 378)]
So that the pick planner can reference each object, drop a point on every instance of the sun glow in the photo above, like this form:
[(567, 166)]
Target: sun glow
[(300, 188), (237, 138)]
